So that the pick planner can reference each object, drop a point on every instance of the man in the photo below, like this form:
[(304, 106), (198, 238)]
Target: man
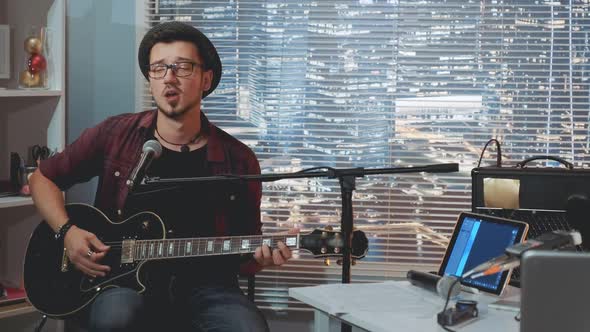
[(182, 67)]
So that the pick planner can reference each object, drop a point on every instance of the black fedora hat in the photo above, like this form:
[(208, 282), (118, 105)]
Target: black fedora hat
[(170, 31)]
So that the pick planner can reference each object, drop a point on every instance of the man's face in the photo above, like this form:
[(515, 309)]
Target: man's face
[(176, 95)]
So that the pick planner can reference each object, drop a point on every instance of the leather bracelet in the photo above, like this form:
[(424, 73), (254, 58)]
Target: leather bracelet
[(62, 230)]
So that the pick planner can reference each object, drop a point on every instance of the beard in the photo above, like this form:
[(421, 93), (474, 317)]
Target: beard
[(174, 111)]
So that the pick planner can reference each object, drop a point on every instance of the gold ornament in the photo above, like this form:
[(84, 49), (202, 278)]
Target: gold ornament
[(30, 80), (33, 45)]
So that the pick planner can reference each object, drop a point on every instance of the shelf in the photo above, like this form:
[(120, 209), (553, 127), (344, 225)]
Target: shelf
[(13, 201), (16, 309), (29, 93), (14, 303)]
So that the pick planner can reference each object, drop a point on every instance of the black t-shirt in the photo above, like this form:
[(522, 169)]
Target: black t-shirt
[(184, 209), (188, 210)]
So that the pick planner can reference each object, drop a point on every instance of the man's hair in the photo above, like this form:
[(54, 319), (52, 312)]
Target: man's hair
[(171, 31)]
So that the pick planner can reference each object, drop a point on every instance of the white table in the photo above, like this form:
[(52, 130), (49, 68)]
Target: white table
[(395, 306)]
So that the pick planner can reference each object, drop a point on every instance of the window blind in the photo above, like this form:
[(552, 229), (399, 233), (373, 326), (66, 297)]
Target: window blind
[(388, 83)]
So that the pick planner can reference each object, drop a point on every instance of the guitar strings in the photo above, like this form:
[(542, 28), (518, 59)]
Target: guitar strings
[(254, 240)]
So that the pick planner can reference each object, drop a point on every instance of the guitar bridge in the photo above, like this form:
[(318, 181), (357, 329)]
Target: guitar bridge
[(127, 251)]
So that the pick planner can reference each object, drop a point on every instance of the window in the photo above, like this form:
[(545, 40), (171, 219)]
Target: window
[(385, 83)]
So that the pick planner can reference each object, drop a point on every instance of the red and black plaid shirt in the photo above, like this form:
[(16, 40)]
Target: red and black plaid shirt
[(111, 150)]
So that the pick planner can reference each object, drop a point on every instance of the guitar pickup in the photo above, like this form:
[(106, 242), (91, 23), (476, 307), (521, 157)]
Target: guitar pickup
[(127, 252), (65, 261)]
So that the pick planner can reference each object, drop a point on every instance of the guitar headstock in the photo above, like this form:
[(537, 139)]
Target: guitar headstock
[(328, 243)]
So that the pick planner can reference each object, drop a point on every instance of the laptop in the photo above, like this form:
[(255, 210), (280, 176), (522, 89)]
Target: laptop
[(476, 239), (548, 199), (555, 292)]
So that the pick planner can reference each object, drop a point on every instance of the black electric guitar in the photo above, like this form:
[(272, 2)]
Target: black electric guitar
[(57, 289)]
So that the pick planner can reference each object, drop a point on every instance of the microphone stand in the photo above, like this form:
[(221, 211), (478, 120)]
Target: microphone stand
[(347, 179)]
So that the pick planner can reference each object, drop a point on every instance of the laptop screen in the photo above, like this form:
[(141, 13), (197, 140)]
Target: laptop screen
[(476, 239)]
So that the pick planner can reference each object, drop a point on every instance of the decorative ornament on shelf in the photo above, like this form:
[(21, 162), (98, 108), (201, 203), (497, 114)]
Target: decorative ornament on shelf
[(35, 74)]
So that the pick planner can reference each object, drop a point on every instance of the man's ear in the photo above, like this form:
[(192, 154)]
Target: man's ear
[(207, 79), (150, 87)]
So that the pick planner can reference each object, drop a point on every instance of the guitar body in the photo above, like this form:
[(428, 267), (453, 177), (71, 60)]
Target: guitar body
[(56, 288)]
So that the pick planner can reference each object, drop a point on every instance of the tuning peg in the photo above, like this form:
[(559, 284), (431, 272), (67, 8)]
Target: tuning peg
[(339, 262), (327, 262)]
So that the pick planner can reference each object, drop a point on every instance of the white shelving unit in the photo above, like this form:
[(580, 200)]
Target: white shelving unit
[(15, 201), (28, 117), (29, 93)]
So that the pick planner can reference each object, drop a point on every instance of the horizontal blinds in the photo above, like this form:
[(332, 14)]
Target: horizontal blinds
[(373, 83)]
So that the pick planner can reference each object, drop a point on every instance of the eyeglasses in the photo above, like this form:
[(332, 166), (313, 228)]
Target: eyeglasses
[(180, 69)]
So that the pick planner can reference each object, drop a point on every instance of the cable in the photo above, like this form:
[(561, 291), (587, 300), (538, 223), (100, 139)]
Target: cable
[(498, 152), (41, 323), (463, 311), (447, 302)]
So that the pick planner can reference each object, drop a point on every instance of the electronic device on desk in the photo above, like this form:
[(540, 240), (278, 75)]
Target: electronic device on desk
[(461, 312), (514, 256), (555, 291), (476, 239), (547, 198)]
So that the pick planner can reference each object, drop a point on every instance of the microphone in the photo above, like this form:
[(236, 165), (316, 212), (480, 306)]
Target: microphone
[(442, 168), (151, 150), (511, 258), (434, 283)]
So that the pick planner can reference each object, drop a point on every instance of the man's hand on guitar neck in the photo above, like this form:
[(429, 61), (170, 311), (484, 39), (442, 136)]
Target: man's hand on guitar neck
[(84, 250), (266, 256)]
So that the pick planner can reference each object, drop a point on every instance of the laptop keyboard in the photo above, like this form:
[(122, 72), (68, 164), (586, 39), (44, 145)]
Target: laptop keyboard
[(540, 222)]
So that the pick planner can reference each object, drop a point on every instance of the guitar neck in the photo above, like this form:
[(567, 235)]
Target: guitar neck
[(134, 250)]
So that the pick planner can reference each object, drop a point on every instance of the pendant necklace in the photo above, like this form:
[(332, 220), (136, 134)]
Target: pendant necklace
[(183, 147)]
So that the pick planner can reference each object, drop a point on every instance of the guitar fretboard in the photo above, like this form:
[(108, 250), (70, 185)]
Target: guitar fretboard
[(193, 247)]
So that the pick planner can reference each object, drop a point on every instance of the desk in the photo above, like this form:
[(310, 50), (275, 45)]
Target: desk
[(394, 306)]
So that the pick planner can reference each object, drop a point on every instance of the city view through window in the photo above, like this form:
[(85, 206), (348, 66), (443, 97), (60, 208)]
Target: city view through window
[(384, 83)]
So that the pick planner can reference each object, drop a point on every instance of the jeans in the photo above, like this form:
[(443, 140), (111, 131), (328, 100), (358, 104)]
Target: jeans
[(204, 308)]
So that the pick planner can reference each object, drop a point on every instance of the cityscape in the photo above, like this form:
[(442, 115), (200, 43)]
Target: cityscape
[(393, 83)]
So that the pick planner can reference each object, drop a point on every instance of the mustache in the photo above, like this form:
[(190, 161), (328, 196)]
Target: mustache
[(171, 89)]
